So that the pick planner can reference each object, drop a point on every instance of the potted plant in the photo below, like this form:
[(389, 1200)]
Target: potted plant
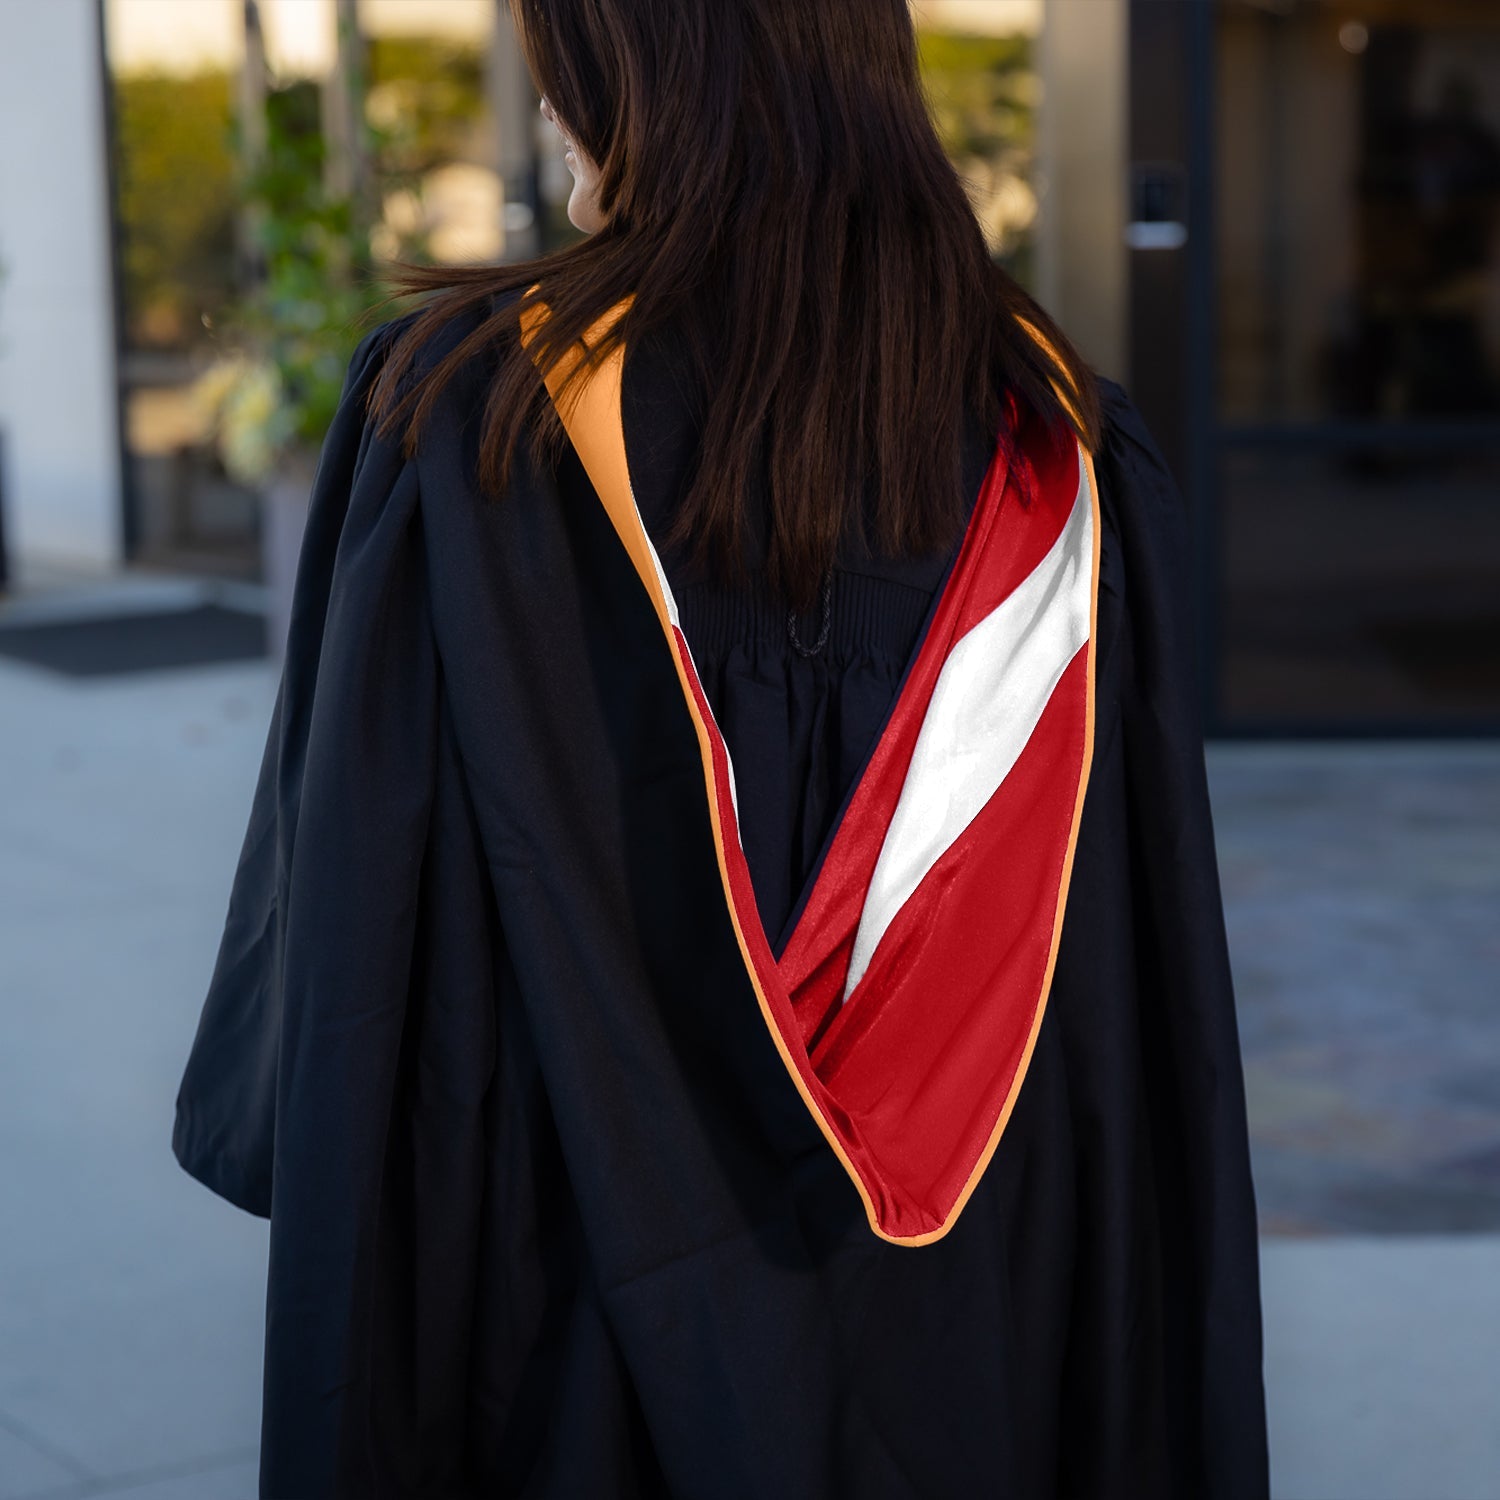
[(268, 401)]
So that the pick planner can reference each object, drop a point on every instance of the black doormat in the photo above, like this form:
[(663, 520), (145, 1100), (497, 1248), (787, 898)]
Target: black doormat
[(112, 645)]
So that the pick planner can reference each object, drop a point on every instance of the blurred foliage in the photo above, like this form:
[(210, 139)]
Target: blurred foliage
[(285, 339), (177, 172), (175, 168), (983, 92), (426, 97), (288, 340), (313, 280)]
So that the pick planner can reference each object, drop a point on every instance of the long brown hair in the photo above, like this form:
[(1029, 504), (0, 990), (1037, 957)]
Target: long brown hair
[(773, 187)]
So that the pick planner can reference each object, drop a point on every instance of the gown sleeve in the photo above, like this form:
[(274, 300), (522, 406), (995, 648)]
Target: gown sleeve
[(1190, 1041), (321, 897)]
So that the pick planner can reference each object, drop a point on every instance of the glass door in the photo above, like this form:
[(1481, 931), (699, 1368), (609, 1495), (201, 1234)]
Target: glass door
[(1355, 451)]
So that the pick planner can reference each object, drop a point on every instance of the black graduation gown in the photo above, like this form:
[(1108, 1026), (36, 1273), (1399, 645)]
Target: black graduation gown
[(548, 1216)]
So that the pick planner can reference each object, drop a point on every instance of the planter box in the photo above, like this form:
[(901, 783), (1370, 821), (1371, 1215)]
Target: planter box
[(284, 505)]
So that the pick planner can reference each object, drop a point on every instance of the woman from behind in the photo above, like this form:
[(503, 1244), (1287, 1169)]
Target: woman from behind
[(725, 990)]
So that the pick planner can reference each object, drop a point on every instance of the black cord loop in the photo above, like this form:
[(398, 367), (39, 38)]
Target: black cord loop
[(791, 621)]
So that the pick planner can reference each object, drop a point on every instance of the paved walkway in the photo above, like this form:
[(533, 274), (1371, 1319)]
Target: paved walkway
[(1362, 891), (130, 1298)]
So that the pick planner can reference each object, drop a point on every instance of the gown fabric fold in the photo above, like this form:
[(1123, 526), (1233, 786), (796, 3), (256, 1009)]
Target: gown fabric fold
[(548, 1215)]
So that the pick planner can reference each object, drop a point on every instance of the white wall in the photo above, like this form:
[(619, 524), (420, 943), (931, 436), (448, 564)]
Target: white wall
[(62, 482)]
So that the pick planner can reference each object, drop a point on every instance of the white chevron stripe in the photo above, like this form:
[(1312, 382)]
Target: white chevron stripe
[(987, 701)]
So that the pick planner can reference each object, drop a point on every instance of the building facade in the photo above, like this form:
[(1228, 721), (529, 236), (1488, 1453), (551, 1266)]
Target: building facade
[(1276, 221)]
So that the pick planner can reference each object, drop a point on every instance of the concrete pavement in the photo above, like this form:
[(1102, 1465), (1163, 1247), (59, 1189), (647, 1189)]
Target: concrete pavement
[(131, 1298)]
